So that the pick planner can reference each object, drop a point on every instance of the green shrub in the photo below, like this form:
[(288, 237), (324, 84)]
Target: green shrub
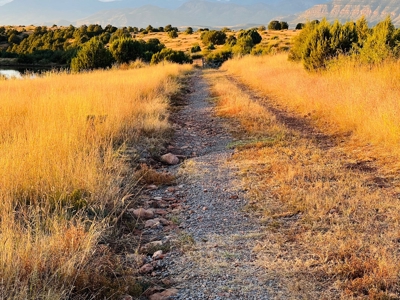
[(173, 34), (252, 33), (125, 50), (189, 30), (219, 57), (284, 25), (196, 48), (381, 44), (91, 56), (299, 26), (214, 36), (211, 46), (243, 46), (274, 25), (170, 55)]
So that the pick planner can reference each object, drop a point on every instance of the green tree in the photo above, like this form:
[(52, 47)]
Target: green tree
[(125, 49), (91, 56), (274, 25), (381, 44), (300, 42), (284, 25), (214, 36), (318, 48), (170, 55), (253, 34), (363, 31), (173, 34), (189, 30), (243, 45), (299, 26)]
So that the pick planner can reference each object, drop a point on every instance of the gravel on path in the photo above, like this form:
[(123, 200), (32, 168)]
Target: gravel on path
[(221, 263)]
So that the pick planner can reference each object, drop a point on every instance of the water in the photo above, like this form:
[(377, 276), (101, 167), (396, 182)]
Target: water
[(11, 73), (20, 73)]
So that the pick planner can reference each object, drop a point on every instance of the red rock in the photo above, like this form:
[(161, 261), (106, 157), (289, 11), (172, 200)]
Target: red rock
[(152, 223), (143, 213), (158, 255), (164, 222), (164, 295), (170, 159), (161, 212), (153, 290), (147, 268)]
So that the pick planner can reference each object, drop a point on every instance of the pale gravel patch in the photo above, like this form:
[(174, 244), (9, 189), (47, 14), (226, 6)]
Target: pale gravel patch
[(222, 263)]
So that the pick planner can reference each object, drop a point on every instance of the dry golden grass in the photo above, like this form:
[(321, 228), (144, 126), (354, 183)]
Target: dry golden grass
[(184, 42), (332, 220), (348, 98), (61, 168)]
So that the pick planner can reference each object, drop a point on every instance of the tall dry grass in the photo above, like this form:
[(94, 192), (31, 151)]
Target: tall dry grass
[(331, 219), (347, 98), (61, 139)]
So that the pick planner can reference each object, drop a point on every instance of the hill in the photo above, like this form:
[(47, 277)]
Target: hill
[(141, 13), (345, 10)]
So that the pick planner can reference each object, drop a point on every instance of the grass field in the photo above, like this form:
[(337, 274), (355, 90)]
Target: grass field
[(63, 171), (184, 42), (327, 191)]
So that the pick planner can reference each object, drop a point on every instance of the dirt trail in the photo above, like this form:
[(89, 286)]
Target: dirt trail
[(217, 235)]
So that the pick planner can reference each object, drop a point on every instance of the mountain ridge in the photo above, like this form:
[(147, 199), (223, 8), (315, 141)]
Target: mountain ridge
[(345, 10), (161, 12)]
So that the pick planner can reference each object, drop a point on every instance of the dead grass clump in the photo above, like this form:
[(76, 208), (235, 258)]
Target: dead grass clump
[(147, 175)]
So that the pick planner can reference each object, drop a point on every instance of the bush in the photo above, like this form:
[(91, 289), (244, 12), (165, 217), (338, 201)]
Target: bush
[(189, 30), (219, 57), (211, 46), (195, 49), (243, 45), (173, 34), (170, 55), (253, 34), (299, 26), (231, 41), (214, 36), (320, 42), (381, 43), (284, 25), (93, 55), (274, 25), (125, 50)]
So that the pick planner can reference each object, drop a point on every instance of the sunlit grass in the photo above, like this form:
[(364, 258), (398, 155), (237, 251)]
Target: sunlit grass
[(347, 98), (61, 137), (330, 213)]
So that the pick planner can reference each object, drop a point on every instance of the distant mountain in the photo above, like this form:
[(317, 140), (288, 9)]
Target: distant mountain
[(345, 10), (144, 12), (192, 13)]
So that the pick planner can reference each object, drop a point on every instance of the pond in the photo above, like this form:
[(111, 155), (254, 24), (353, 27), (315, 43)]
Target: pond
[(11, 73), (20, 72)]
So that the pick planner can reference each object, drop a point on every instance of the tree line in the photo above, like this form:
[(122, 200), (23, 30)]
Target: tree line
[(70, 45)]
